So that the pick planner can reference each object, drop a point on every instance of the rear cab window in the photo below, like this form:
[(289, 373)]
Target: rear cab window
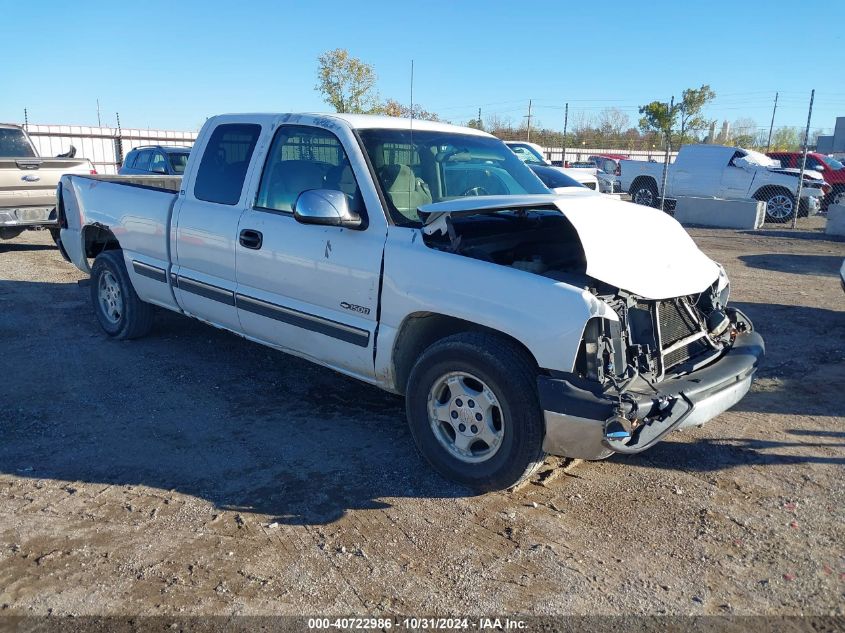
[(221, 174), (14, 144)]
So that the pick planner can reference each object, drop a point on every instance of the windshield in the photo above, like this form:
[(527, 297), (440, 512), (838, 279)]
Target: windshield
[(527, 154), (421, 167), (14, 144), (832, 163), (178, 162)]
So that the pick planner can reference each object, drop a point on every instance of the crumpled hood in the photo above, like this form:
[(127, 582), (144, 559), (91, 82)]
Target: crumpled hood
[(630, 246), (808, 173)]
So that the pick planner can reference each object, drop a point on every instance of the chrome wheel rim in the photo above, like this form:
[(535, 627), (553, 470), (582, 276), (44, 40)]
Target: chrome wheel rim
[(111, 300), (839, 198), (779, 206), (466, 417), (644, 196)]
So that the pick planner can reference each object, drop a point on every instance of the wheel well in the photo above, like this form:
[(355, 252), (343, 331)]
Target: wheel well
[(766, 191), (421, 330), (641, 180), (98, 238)]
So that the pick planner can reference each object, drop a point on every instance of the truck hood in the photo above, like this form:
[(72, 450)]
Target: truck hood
[(808, 173), (629, 246)]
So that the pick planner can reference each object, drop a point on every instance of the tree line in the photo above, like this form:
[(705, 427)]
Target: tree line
[(349, 84)]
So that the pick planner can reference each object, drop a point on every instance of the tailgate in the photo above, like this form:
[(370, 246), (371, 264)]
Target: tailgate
[(30, 182)]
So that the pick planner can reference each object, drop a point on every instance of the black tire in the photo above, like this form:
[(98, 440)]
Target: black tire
[(511, 376), (132, 318), (774, 198), (56, 234), (645, 192)]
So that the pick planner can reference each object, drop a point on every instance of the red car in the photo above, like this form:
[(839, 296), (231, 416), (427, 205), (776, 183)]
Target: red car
[(831, 170)]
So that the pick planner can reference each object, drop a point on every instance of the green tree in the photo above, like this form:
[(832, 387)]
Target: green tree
[(346, 82), (787, 139), (657, 118), (692, 103)]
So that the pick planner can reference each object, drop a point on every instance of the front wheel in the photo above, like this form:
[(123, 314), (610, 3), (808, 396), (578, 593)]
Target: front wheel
[(116, 304), (473, 409), (780, 205)]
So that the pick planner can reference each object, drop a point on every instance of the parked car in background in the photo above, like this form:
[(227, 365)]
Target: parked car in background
[(559, 182), (608, 166), (719, 171), (831, 170), (164, 160), (28, 183), (513, 324), (532, 154)]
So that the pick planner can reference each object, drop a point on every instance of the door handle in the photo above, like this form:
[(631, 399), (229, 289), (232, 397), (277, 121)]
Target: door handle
[(251, 239)]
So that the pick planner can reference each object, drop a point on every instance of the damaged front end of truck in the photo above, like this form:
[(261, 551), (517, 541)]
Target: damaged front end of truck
[(671, 354)]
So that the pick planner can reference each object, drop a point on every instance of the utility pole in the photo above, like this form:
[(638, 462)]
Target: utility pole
[(99, 124), (803, 162), (666, 156), (480, 125), (118, 145), (772, 124), (565, 123), (25, 120), (528, 135)]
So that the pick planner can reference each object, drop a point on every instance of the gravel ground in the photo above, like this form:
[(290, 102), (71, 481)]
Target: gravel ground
[(193, 472)]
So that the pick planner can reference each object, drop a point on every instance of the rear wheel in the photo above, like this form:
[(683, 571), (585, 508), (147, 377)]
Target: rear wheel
[(116, 304), (473, 409), (645, 193)]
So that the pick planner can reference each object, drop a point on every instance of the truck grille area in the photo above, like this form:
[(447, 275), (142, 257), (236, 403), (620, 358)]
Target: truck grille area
[(676, 324)]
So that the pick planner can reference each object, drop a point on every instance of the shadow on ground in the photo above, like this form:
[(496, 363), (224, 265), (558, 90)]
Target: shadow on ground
[(197, 410), (826, 265)]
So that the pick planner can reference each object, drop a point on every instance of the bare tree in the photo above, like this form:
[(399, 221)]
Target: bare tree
[(612, 122)]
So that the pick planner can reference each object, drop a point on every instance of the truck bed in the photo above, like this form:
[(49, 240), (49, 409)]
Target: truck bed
[(138, 208)]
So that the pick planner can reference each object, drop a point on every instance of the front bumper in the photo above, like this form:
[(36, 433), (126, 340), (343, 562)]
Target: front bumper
[(809, 205), (575, 417), (28, 216)]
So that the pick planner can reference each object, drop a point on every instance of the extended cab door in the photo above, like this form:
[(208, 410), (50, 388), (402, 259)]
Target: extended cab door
[(736, 179), (308, 289), (205, 228)]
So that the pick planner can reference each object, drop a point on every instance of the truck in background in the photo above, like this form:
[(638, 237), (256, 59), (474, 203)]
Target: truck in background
[(28, 183), (718, 171)]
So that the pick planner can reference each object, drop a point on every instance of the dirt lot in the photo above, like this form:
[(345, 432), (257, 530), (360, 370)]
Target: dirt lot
[(195, 472)]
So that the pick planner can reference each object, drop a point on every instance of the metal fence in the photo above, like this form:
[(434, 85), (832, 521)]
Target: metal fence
[(105, 147)]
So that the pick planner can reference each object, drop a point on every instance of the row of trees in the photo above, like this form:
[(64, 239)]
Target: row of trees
[(349, 85)]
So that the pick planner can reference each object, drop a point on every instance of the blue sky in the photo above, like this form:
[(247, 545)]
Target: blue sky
[(171, 64)]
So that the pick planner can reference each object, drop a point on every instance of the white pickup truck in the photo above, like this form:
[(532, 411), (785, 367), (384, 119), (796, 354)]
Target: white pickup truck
[(724, 172), (428, 260)]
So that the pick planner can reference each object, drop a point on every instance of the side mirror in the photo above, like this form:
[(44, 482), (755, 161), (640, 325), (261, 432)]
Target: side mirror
[(741, 162), (326, 207)]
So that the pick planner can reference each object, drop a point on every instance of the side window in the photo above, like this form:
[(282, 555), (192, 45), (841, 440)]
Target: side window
[(220, 177), (158, 164), (303, 158), (142, 160), (812, 163)]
